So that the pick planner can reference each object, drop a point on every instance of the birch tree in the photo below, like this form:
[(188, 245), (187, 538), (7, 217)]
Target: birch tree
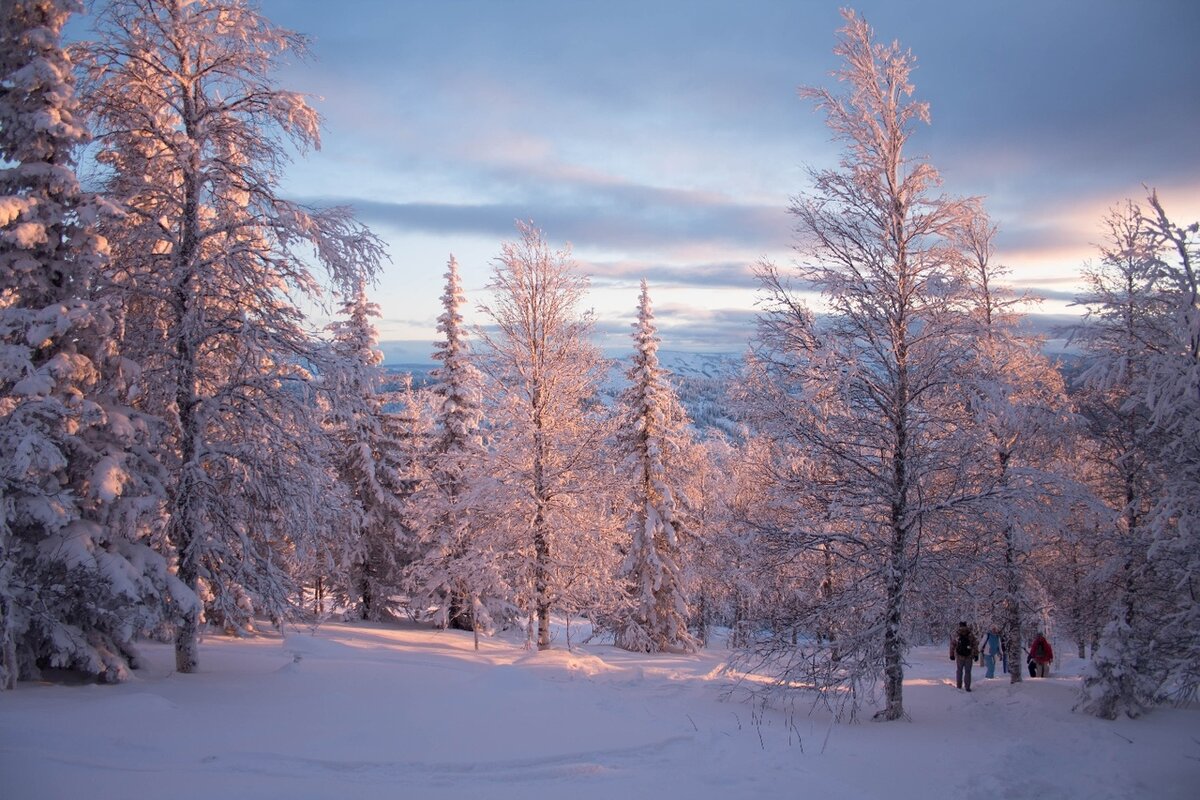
[(1143, 393), (1172, 395), (1018, 408), (542, 373), (654, 437), (861, 408), (1121, 301), (195, 135)]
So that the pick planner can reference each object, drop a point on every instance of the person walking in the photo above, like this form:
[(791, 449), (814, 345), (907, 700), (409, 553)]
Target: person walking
[(964, 649), (1040, 654), (991, 647)]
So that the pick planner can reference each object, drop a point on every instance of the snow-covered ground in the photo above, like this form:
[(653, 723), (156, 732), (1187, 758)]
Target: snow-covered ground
[(372, 711)]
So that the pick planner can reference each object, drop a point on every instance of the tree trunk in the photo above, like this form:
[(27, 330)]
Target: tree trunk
[(8, 648), (893, 638), (184, 526), (1014, 646), (541, 539)]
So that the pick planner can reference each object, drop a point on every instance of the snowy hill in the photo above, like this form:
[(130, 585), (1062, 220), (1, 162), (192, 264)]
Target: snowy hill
[(702, 381), (382, 711)]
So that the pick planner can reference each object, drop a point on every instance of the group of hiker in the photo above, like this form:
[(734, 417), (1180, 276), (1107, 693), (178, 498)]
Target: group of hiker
[(966, 649)]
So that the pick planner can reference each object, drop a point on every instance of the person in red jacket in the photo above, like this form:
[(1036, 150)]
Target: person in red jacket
[(1041, 654)]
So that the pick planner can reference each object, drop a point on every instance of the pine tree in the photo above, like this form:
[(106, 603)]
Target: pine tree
[(79, 495), (212, 264), (372, 462), (653, 435), (458, 572)]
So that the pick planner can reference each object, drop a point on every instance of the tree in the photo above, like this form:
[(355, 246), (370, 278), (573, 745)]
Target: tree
[(654, 438), (1172, 395), (1143, 396), (542, 375), (458, 571), (1018, 410), (1121, 312), (213, 264), (861, 408), (372, 461), (79, 492)]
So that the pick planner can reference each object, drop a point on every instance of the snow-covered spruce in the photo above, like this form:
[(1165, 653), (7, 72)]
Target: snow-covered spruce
[(459, 573), (80, 493), (375, 454), (654, 436)]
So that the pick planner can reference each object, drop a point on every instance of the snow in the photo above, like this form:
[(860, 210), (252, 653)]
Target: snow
[(372, 710)]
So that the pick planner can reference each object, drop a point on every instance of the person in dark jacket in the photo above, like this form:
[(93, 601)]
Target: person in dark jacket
[(964, 649), (1040, 655)]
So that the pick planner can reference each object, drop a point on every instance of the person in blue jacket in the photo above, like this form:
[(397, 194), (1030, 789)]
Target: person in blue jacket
[(989, 649)]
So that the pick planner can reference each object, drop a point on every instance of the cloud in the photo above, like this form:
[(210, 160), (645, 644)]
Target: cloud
[(730, 274), (616, 217)]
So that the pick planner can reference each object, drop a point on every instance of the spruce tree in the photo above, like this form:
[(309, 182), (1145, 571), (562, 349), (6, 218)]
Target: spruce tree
[(371, 462), (462, 573), (654, 438), (79, 494)]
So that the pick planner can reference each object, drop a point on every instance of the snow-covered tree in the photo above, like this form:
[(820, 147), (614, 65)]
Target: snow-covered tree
[(1018, 410), (1121, 301), (1172, 396), (213, 265), (80, 496), (654, 437), (862, 408), (459, 572), (373, 461), (1143, 395), (542, 374)]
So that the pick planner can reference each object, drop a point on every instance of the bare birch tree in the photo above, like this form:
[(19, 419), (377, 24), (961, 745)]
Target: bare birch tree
[(214, 264), (542, 374), (861, 407)]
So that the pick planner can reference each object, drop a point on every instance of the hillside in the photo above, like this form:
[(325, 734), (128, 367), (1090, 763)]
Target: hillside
[(381, 711)]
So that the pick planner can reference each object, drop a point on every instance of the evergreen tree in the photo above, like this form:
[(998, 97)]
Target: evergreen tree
[(79, 493), (654, 437), (372, 462), (458, 573)]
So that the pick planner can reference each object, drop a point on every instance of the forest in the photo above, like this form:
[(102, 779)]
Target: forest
[(183, 451)]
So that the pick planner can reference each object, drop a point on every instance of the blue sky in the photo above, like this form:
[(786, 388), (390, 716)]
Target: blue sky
[(665, 139)]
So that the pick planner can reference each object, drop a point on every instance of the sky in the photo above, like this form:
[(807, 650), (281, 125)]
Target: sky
[(665, 139)]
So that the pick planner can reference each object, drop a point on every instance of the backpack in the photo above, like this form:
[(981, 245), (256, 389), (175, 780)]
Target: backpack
[(964, 644)]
